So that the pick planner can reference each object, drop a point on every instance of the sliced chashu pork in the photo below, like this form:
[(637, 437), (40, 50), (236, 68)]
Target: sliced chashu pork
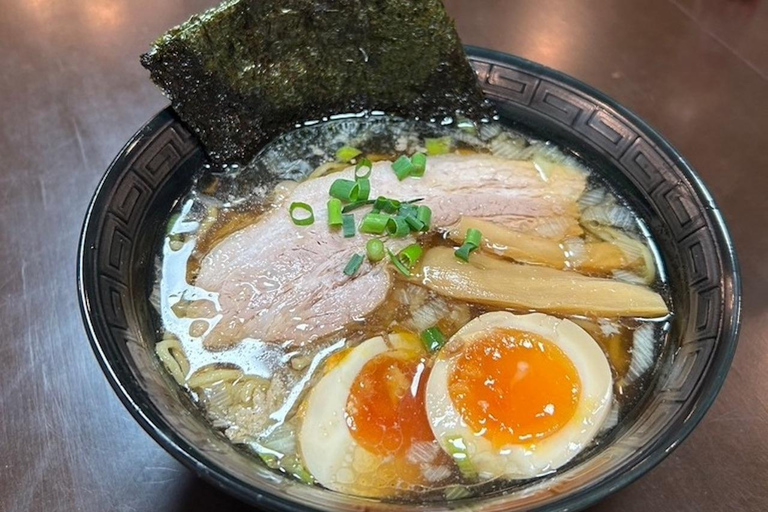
[(279, 282)]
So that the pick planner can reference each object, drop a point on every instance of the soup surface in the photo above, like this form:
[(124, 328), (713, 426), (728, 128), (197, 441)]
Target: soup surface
[(407, 310)]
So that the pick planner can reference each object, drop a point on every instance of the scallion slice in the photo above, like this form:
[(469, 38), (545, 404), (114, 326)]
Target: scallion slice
[(474, 237), (353, 265), (439, 146), (410, 255), (364, 164), (307, 220), (334, 212), (419, 164), (414, 223), (424, 214), (354, 206), (463, 252), (347, 153), (374, 223), (402, 167), (471, 242), (398, 227), (398, 264), (379, 203), (432, 339), (374, 248), (408, 209), (391, 206), (363, 190), (346, 190), (348, 225)]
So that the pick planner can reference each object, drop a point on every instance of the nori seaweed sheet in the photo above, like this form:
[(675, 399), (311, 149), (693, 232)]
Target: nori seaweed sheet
[(245, 71)]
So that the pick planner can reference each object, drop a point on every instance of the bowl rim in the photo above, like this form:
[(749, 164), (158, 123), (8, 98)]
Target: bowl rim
[(700, 403)]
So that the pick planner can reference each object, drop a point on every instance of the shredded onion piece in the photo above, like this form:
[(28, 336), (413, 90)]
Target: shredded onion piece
[(488, 131), (613, 417), (218, 398), (506, 146), (610, 215), (575, 252), (422, 452), (282, 439), (435, 473), (457, 492), (627, 276), (643, 351), (592, 197)]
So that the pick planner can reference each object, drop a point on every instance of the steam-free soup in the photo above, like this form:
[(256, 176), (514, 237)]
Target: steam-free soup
[(394, 309)]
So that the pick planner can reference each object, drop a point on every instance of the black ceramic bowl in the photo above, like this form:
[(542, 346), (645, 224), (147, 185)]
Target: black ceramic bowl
[(124, 226)]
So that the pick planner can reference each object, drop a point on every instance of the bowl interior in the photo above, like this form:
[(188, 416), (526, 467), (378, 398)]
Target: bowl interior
[(126, 219)]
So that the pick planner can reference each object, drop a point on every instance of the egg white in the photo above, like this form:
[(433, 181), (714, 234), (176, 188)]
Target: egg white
[(327, 448), (520, 461)]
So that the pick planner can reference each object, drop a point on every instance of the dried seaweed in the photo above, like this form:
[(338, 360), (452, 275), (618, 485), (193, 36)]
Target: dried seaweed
[(245, 71)]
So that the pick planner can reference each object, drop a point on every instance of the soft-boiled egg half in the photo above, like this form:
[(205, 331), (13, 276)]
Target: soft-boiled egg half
[(517, 396), (364, 429)]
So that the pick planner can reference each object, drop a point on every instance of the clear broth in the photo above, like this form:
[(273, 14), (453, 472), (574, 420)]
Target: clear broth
[(278, 376)]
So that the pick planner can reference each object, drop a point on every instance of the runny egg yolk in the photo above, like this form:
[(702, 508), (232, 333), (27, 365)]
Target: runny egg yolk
[(385, 408), (514, 387)]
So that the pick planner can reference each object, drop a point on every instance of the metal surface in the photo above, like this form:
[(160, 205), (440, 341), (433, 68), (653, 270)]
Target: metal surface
[(73, 92)]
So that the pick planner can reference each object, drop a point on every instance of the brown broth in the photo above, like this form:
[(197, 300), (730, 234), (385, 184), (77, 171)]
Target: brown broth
[(266, 383)]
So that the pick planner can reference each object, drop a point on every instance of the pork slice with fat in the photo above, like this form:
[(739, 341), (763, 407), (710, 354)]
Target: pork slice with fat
[(279, 282)]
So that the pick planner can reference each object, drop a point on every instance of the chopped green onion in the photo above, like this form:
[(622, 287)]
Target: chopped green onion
[(379, 203), (457, 449), (424, 214), (398, 264), (354, 264), (474, 237), (308, 220), (391, 206), (347, 153), (463, 252), (334, 212), (364, 189), (414, 223), (354, 206), (407, 209), (363, 163), (410, 255), (419, 163), (374, 248), (456, 492), (439, 146), (346, 190), (398, 227), (432, 339), (471, 243), (402, 167), (374, 223), (348, 225)]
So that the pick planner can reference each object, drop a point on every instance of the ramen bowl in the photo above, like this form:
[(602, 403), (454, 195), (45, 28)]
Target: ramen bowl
[(126, 220)]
